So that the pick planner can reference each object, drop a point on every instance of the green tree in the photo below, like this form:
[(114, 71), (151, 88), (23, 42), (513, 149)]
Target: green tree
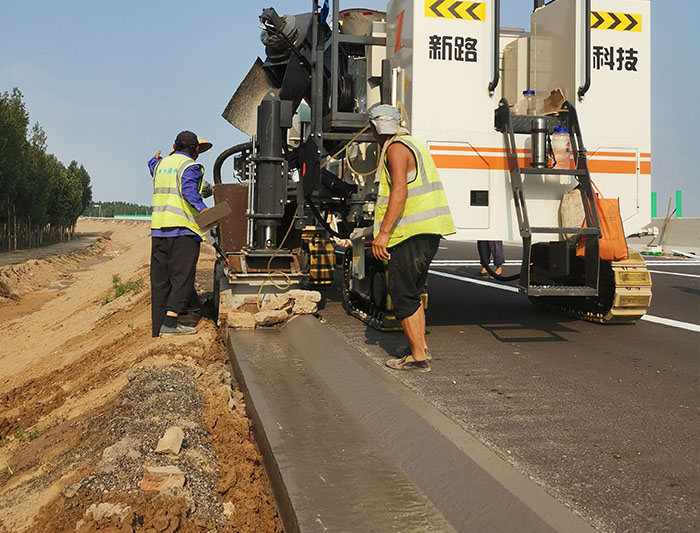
[(14, 121), (79, 173), (40, 196)]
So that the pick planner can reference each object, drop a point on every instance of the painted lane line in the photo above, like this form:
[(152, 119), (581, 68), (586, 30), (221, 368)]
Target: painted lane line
[(672, 263), (674, 273), (673, 323), (657, 320), (465, 262), (475, 262), (475, 281)]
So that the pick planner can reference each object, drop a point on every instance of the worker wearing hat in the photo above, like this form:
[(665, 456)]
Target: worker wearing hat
[(178, 181), (410, 216)]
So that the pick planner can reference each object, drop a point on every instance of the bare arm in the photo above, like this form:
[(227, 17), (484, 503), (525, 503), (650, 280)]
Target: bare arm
[(400, 160)]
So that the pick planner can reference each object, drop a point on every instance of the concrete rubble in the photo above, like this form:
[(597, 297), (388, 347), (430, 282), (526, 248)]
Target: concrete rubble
[(251, 311), (171, 441), (162, 478)]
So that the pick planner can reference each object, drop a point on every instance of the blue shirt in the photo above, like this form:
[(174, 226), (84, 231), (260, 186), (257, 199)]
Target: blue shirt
[(190, 191)]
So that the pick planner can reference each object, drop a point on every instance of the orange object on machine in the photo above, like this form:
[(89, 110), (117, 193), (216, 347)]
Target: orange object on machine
[(612, 244)]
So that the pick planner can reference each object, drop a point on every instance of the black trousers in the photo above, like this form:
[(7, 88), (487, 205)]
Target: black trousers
[(173, 265), (408, 271)]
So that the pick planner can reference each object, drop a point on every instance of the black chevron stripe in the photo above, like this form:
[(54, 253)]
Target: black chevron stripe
[(616, 23), (599, 20), (471, 9), (434, 8), (633, 22), (453, 9)]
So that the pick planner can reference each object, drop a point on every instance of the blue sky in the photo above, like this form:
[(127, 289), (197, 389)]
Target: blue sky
[(113, 82)]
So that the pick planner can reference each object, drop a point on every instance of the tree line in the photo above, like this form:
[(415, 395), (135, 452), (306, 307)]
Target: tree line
[(110, 209), (40, 198)]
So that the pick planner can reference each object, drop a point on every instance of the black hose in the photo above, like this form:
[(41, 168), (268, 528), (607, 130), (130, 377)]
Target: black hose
[(583, 89), (223, 156), (322, 221), (496, 46), (500, 277)]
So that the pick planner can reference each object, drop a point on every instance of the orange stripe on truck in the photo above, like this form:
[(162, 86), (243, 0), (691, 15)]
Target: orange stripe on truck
[(471, 162), (612, 167), (472, 158)]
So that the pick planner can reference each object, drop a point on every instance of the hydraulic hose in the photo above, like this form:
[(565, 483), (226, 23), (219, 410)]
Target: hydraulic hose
[(321, 221), (223, 156), (500, 277)]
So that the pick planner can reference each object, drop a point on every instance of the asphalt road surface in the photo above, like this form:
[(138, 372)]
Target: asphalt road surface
[(604, 417)]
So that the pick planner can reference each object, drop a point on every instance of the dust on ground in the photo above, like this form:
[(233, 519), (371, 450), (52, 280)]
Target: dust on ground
[(86, 393)]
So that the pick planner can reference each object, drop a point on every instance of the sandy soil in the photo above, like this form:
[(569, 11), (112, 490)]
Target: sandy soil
[(86, 393)]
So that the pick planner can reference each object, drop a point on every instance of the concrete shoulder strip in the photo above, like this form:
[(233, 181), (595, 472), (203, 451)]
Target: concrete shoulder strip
[(401, 464)]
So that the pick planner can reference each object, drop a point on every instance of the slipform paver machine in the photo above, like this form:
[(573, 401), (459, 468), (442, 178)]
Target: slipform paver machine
[(307, 174)]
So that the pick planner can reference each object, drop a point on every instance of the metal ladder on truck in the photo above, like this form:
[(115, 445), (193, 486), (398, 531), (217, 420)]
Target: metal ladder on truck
[(553, 277)]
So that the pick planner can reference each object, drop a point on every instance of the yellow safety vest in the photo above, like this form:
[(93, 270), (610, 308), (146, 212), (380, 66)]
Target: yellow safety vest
[(170, 209), (426, 209)]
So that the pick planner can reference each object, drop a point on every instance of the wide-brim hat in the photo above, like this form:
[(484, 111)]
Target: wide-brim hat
[(204, 145)]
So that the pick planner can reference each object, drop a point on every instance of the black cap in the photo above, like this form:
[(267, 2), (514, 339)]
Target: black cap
[(186, 139)]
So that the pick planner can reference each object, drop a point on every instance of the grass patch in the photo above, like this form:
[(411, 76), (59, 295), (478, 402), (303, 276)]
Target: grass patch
[(25, 435), (119, 288)]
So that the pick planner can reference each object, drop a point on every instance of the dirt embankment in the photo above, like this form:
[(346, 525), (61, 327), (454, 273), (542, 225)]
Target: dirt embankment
[(86, 394)]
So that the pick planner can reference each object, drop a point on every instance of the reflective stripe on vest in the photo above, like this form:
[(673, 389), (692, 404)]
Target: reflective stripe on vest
[(170, 209), (426, 209)]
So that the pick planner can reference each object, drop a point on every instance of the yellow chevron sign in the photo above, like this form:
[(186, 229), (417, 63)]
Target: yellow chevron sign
[(607, 20), (455, 9)]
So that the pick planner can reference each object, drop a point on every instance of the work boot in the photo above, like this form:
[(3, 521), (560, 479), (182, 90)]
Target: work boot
[(177, 330), (408, 366), (406, 351)]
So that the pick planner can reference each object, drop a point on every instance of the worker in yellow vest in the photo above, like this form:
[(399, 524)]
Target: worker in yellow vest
[(410, 216), (175, 236)]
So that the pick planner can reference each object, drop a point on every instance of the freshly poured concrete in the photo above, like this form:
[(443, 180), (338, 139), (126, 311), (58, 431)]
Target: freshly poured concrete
[(349, 448)]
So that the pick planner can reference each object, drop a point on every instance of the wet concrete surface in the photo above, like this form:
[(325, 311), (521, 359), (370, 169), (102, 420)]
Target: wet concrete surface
[(327, 472), (604, 418), (349, 448)]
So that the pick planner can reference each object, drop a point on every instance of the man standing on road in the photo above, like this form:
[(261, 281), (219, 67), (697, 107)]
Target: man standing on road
[(410, 217), (175, 236)]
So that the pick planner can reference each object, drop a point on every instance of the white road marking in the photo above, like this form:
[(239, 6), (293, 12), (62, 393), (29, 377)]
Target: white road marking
[(672, 323), (658, 320), (674, 273), (475, 281), (466, 262), (671, 262)]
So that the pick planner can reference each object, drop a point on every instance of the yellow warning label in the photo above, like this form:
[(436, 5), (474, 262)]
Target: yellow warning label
[(607, 20), (455, 9)]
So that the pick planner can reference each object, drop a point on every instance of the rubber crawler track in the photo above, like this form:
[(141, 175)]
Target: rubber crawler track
[(625, 294)]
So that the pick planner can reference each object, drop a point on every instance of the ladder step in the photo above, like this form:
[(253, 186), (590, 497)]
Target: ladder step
[(560, 290), (554, 171)]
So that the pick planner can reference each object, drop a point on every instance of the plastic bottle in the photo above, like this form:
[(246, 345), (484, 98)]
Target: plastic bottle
[(531, 103), (561, 146)]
